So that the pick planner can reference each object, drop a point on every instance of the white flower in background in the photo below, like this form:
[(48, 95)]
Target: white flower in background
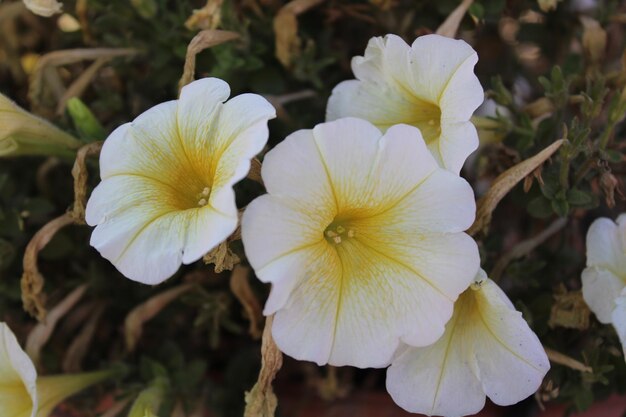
[(22, 393), (361, 236), (604, 279), (430, 85), (44, 8), (487, 350), (166, 195), (619, 319)]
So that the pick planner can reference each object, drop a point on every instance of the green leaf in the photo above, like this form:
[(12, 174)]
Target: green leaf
[(560, 206), (539, 207), (578, 197), (88, 127)]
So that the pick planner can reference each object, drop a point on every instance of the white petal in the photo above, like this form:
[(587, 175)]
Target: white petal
[(434, 380), (618, 318), (271, 229), (206, 228), (600, 288), (606, 246), (457, 142), (511, 360), (437, 60), (197, 105), (18, 377), (487, 349)]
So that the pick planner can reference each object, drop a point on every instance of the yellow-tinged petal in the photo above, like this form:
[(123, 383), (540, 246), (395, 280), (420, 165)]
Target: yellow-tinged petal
[(166, 194), (487, 350), (361, 236), (44, 8), (18, 389), (430, 85)]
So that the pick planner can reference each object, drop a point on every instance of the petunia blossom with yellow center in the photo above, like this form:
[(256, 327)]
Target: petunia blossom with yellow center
[(22, 393), (361, 236), (487, 350), (604, 278), (430, 85), (166, 195)]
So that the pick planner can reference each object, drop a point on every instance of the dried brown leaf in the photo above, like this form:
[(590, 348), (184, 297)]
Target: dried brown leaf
[(50, 61), (223, 258), (504, 183), (42, 331), (288, 43), (255, 171), (569, 310), (81, 174), (77, 350), (78, 87), (561, 359), (240, 286), (261, 400), (32, 283), (208, 17), (133, 325), (200, 42), (450, 26)]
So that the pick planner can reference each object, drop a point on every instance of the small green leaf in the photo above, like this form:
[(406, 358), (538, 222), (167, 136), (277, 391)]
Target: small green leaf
[(578, 197), (560, 206), (88, 127), (539, 207)]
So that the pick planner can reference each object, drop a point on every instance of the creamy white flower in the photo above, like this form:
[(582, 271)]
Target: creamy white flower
[(44, 8), (604, 279), (22, 393), (430, 85), (361, 236), (605, 275), (619, 319), (166, 195), (487, 350), (18, 378)]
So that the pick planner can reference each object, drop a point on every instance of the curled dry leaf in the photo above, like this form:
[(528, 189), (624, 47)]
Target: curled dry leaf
[(223, 258), (524, 247), (77, 350), (561, 359), (450, 26), (81, 174), (569, 310), (208, 17), (78, 87), (240, 286), (288, 44), (261, 400), (133, 325), (32, 283), (40, 334), (504, 183), (200, 42), (70, 56)]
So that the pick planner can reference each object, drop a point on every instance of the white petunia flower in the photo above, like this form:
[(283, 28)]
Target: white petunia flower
[(487, 350), (22, 393), (619, 319), (361, 236), (44, 8), (430, 85), (166, 195), (604, 279)]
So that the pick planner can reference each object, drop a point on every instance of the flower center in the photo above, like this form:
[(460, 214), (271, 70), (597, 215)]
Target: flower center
[(336, 233), (427, 117), (203, 197)]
